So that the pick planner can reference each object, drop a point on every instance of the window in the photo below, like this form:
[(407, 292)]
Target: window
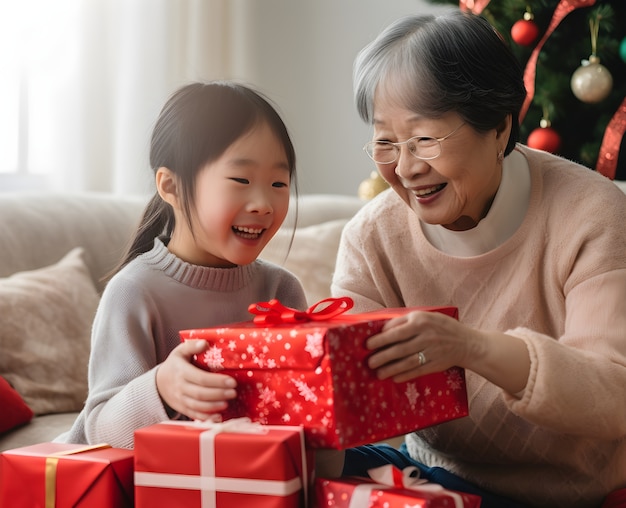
[(34, 39)]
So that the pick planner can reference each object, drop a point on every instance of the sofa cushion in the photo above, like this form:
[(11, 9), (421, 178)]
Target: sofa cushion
[(45, 334), (311, 256), (15, 412)]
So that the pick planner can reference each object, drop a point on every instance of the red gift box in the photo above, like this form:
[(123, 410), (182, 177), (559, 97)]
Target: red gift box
[(212, 465), (389, 488), (59, 475), (304, 368)]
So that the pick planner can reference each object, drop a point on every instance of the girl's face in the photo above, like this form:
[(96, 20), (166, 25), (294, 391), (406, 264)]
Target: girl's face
[(455, 189), (241, 200)]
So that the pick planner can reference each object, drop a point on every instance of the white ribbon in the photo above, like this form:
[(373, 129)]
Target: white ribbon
[(237, 485), (207, 482), (388, 477)]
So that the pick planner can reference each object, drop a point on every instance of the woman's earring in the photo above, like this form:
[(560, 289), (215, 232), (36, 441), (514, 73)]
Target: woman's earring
[(500, 156)]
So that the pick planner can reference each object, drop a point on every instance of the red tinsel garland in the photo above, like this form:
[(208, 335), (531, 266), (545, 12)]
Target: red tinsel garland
[(474, 6), (609, 149), (562, 9)]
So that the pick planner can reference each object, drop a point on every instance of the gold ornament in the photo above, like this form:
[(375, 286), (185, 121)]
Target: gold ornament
[(372, 186)]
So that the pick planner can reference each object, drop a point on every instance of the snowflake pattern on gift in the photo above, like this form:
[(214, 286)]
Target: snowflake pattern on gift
[(455, 380), (305, 390), (411, 394), (315, 344), (213, 358), (267, 397)]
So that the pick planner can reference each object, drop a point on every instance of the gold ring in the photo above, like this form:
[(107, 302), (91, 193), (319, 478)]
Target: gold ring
[(421, 358)]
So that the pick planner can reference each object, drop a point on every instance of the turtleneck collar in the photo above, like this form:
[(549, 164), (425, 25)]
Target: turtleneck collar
[(195, 276), (504, 217)]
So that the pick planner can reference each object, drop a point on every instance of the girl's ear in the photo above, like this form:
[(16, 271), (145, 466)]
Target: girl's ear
[(167, 186)]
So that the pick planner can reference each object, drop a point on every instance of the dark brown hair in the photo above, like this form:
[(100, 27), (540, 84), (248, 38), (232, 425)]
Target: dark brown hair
[(195, 127)]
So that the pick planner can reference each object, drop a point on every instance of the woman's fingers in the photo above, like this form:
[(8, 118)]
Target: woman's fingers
[(418, 343)]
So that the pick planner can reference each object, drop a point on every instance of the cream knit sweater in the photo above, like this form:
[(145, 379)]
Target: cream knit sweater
[(559, 284)]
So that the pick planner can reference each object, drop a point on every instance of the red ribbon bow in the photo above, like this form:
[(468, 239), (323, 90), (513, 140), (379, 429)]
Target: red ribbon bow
[(275, 313)]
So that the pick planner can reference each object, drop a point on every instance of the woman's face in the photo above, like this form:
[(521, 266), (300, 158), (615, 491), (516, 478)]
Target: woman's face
[(455, 189)]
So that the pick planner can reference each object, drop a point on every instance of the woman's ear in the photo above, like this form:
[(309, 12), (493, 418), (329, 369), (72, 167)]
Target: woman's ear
[(503, 130), (167, 186)]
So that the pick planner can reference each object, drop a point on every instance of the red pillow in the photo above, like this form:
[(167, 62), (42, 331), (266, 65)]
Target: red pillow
[(616, 499), (14, 410)]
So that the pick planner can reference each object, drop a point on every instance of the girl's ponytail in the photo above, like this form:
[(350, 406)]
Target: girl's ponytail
[(157, 220)]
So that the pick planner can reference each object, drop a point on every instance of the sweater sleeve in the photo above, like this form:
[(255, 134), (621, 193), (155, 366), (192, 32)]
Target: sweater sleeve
[(578, 375), (576, 383), (122, 371)]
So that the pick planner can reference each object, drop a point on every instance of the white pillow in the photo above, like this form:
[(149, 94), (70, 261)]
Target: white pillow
[(312, 256)]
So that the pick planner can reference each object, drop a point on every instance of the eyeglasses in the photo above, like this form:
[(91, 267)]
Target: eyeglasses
[(421, 147)]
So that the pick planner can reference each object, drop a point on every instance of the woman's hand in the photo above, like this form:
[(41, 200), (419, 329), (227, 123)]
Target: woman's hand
[(188, 389), (423, 342)]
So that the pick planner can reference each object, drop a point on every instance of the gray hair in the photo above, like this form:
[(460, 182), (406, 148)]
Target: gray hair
[(435, 64)]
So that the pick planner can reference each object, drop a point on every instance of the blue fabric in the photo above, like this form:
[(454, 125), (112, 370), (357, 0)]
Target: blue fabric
[(360, 459)]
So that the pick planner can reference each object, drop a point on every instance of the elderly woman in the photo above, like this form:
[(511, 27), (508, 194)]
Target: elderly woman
[(529, 246)]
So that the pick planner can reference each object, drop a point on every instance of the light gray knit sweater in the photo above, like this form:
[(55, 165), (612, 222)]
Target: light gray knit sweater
[(136, 326)]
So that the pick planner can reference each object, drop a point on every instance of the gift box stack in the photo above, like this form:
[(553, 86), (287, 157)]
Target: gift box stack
[(303, 384), (310, 368)]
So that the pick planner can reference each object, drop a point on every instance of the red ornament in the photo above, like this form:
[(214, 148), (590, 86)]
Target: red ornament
[(524, 32), (544, 138)]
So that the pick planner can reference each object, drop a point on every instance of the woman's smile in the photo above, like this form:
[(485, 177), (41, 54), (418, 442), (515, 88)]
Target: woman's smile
[(424, 192)]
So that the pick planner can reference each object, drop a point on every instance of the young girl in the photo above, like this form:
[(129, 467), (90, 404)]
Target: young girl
[(224, 165)]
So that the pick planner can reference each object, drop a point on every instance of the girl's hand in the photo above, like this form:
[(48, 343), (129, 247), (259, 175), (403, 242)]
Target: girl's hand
[(188, 389), (422, 342)]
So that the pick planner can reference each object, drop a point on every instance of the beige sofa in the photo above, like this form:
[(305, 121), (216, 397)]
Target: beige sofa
[(46, 309), (46, 305)]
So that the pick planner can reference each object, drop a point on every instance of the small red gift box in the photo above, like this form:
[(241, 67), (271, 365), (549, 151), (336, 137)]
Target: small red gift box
[(309, 368), (221, 465), (389, 488), (59, 475)]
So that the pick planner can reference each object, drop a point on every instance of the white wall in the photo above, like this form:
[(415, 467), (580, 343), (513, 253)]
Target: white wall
[(117, 61), (300, 53)]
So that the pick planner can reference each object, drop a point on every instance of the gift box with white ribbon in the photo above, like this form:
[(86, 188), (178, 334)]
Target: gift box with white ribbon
[(221, 465), (310, 368), (389, 487)]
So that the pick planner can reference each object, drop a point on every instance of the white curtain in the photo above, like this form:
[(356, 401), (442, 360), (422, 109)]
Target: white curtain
[(91, 77)]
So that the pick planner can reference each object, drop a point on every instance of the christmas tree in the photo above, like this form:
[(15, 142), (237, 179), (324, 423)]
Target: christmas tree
[(574, 54)]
